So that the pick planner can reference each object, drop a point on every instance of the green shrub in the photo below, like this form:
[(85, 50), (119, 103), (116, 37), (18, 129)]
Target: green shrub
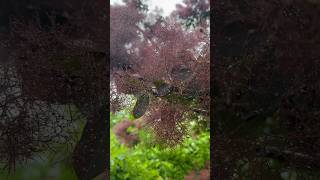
[(147, 160)]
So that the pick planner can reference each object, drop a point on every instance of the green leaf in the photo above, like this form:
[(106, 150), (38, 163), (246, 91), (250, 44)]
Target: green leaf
[(141, 106)]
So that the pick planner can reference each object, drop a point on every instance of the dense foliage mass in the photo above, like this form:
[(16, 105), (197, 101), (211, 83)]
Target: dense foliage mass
[(164, 63), (266, 89)]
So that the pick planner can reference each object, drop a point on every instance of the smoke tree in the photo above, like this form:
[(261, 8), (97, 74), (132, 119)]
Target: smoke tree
[(164, 64), (56, 77), (266, 89)]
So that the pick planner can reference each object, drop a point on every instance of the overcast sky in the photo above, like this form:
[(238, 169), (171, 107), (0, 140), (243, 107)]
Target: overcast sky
[(167, 5)]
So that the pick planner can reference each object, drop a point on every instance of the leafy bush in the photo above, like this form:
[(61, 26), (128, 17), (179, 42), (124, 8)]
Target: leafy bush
[(148, 160)]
